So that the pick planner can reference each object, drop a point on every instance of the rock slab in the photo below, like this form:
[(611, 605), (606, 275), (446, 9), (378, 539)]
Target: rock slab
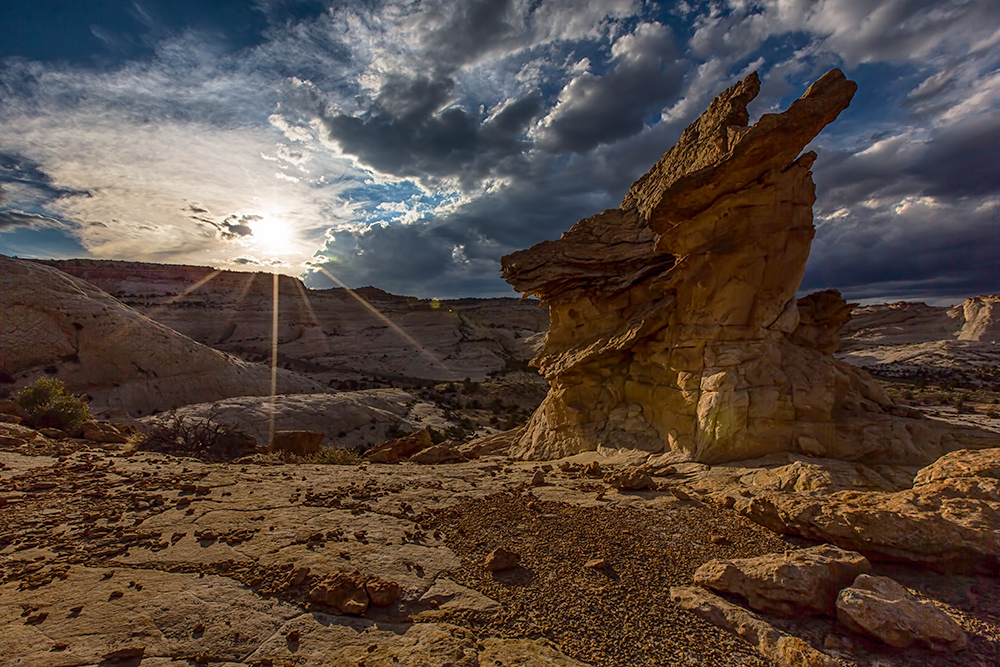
[(789, 583), (879, 607), (785, 650)]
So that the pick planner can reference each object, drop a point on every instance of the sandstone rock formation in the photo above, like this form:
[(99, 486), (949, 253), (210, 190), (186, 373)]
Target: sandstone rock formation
[(674, 323), (982, 319), (351, 419), (916, 341), (947, 521), (126, 362), (881, 608)]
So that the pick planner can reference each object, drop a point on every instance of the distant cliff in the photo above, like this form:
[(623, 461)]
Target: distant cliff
[(122, 278)]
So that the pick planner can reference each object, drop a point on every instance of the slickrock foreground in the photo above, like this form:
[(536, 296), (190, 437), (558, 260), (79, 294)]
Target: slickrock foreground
[(674, 323), (104, 552)]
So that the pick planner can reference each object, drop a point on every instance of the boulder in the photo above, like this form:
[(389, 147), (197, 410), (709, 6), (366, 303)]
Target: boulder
[(789, 583), (382, 593), (437, 454), (392, 451), (94, 431), (946, 522), (301, 443), (630, 479), (881, 608), (498, 443)]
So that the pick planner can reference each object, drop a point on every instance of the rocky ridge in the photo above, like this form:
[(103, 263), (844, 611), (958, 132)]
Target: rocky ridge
[(348, 339)]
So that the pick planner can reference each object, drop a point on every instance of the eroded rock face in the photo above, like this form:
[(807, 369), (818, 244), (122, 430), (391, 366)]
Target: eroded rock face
[(674, 323)]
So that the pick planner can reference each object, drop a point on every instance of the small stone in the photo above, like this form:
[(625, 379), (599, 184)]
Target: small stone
[(116, 594), (538, 478), (382, 593), (501, 559), (597, 564)]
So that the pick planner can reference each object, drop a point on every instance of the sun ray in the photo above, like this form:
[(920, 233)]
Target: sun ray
[(392, 325), (312, 313), (274, 357), (155, 312), (239, 299)]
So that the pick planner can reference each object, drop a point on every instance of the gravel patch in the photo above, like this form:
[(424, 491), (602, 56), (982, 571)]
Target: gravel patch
[(616, 614)]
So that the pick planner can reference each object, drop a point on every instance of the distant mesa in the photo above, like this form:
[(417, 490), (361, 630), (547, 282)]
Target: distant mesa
[(56, 324), (674, 323)]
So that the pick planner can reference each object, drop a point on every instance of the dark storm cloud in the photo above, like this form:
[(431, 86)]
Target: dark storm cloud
[(963, 159), (911, 218), (599, 109), (458, 33), (457, 253), (959, 160), (925, 249), (412, 130)]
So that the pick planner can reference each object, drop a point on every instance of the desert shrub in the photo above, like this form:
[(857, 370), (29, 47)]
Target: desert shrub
[(341, 456), (205, 438), (334, 456), (50, 405)]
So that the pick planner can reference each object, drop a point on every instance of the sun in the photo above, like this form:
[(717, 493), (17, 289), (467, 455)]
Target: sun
[(271, 234)]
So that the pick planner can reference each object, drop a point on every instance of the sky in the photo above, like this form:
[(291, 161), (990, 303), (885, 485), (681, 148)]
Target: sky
[(409, 144)]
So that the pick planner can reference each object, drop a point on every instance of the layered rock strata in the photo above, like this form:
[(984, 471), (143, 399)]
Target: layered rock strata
[(674, 323)]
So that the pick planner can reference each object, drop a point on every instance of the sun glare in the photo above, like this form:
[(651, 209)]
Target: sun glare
[(271, 234)]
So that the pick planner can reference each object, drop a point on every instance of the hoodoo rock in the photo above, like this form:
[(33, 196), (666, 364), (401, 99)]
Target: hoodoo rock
[(674, 322)]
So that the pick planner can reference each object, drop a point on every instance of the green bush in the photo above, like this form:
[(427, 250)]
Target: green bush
[(50, 405)]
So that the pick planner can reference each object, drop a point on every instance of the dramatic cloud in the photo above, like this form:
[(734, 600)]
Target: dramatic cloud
[(600, 109), (410, 145)]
